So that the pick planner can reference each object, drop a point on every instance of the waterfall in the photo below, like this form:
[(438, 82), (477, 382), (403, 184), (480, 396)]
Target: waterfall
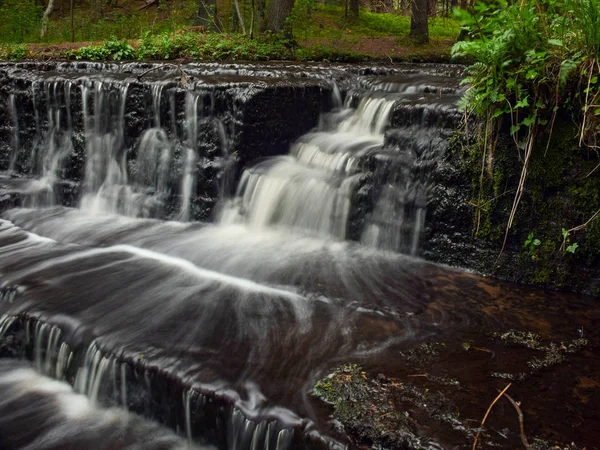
[(217, 328), (311, 189)]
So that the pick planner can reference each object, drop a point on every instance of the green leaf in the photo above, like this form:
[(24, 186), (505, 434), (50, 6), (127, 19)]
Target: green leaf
[(556, 42), (524, 103), (571, 248), (498, 112), (531, 74), (528, 121), (536, 242)]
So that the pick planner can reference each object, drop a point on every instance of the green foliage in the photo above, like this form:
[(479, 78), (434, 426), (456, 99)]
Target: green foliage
[(112, 49), (93, 25), (526, 58), (167, 46), (21, 21), (524, 53), (13, 52), (531, 243), (569, 247), (238, 47)]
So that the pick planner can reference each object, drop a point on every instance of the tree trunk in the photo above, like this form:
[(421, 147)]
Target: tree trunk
[(419, 29), (277, 13), (236, 3), (72, 21), (354, 9), (260, 15), (46, 18)]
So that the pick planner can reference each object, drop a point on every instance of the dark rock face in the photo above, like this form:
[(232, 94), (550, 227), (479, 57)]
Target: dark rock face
[(561, 192)]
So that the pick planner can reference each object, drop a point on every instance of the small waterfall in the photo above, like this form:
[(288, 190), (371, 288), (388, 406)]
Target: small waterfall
[(352, 177), (312, 188), (147, 166), (15, 141), (106, 186), (188, 178), (56, 145)]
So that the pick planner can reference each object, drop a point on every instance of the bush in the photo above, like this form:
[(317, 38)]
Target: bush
[(112, 49), (13, 52), (168, 46)]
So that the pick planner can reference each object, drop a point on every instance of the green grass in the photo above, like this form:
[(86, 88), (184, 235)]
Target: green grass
[(328, 22)]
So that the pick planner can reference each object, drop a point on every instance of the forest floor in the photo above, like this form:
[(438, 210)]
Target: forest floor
[(323, 33)]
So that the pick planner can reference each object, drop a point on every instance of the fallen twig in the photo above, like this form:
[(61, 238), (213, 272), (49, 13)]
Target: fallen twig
[(520, 414), (487, 414)]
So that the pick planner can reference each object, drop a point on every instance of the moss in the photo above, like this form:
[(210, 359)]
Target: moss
[(558, 194), (380, 411)]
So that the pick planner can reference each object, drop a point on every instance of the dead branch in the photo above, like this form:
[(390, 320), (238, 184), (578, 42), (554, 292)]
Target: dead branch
[(521, 426), (487, 413), (524, 171)]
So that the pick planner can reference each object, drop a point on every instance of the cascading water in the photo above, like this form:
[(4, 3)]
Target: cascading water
[(220, 330), (312, 189)]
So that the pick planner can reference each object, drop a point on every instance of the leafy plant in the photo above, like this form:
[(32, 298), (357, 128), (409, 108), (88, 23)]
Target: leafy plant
[(531, 243), (567, 245), (13, 52), (523, 55), (112, 49)]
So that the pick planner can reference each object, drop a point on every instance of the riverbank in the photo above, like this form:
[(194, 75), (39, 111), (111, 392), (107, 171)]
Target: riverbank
[(222, 47)]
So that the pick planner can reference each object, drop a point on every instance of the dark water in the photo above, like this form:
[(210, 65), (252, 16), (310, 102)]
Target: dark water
[(218, 330)]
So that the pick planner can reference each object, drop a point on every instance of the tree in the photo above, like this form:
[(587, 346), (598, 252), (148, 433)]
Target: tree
[(206, 15), (260, 15), (277, 13), (353, 8), (46, 18), (419, 28)]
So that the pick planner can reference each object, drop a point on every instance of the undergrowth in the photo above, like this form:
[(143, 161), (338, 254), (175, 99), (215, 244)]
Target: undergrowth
[(12, 52), (112, 49), (531, 60)]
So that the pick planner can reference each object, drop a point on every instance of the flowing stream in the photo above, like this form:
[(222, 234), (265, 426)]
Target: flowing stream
[(178, 269)]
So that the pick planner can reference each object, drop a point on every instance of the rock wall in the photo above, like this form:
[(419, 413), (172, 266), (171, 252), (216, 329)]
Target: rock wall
[(561, 192)]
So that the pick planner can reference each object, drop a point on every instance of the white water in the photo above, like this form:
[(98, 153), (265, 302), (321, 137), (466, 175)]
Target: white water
[(38, 412), (311, 189)]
